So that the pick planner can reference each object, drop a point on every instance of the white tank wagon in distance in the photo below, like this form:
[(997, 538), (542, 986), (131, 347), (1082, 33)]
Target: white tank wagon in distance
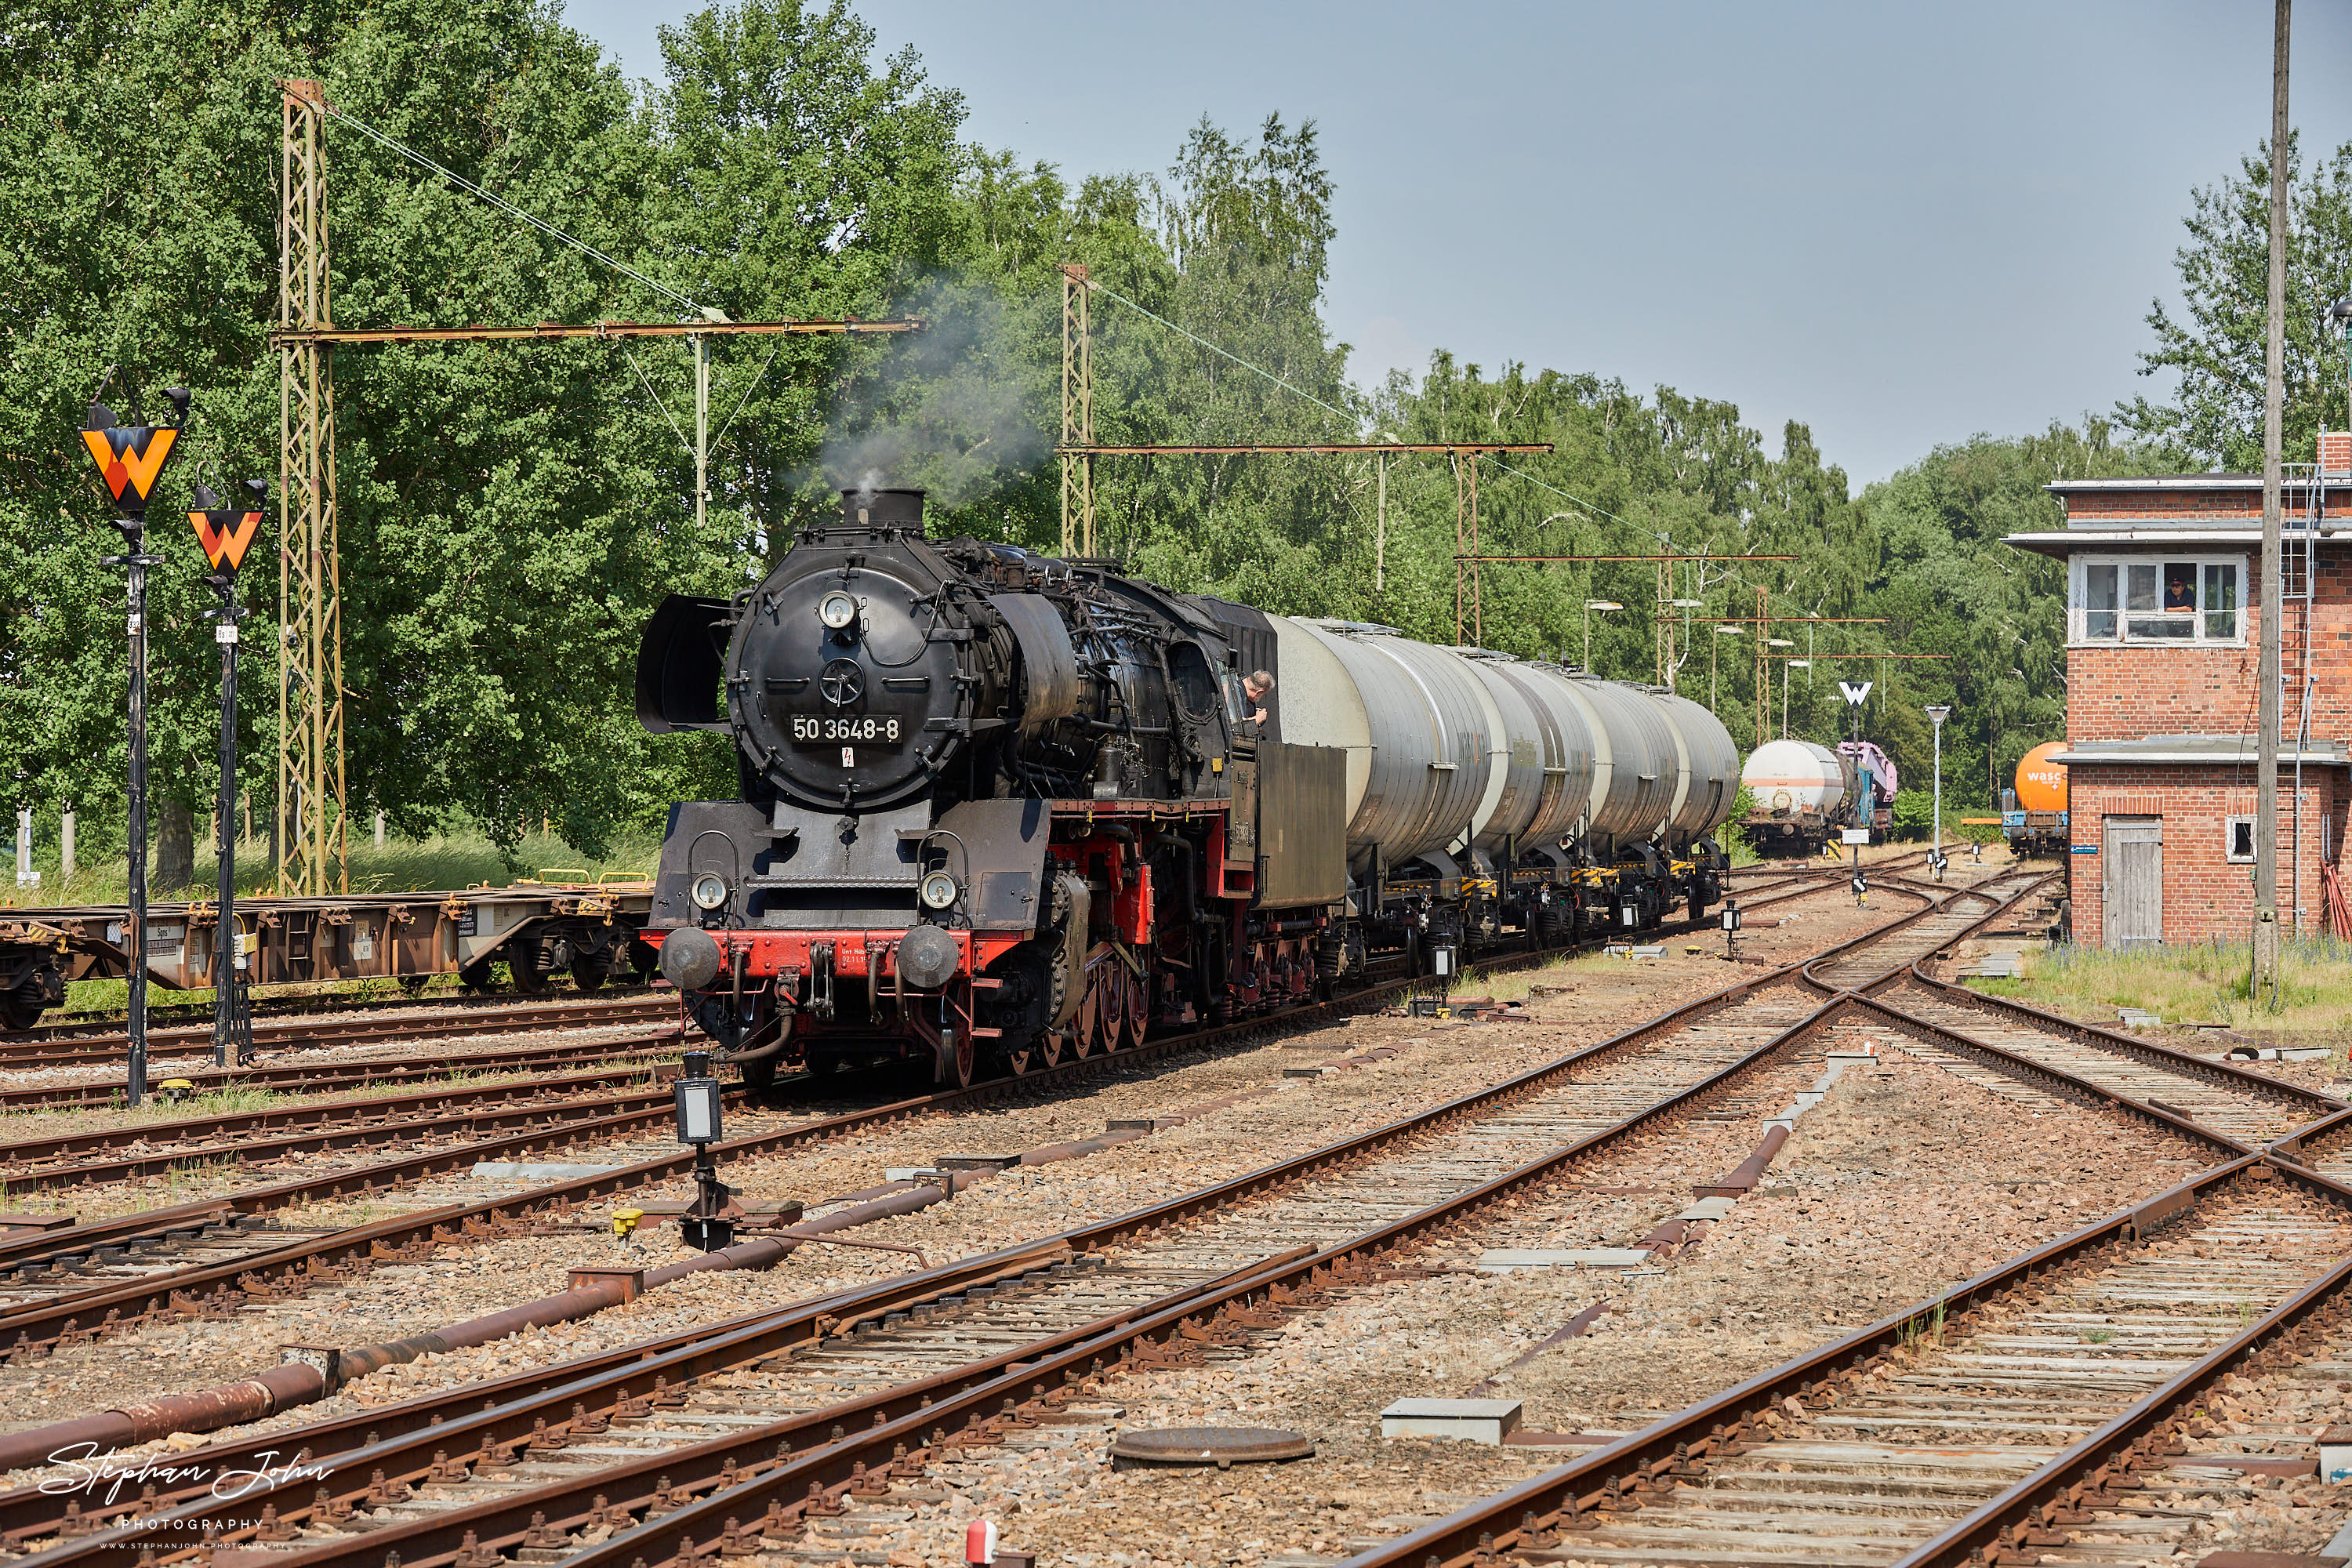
[(1800, 795), (1484, 790)]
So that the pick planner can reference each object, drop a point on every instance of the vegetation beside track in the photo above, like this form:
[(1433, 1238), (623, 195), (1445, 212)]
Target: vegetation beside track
[(2189, 984)]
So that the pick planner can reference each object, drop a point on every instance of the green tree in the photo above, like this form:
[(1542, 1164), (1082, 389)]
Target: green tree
[(2216, 344), (510, 513)]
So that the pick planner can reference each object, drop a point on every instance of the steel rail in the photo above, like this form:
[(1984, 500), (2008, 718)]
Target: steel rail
[(2042, 1076), (503, 1409), (319, 1077), (294, 1033), (350, 1127), (291, 1268), (2145, 1051), (984, 1409), (445, 1532), (289, 1004), (1491, 1526), (1529, 1513), (2077, 1474)]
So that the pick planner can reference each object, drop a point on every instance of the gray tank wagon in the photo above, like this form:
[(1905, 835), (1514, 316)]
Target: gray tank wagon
[(1508, 790)]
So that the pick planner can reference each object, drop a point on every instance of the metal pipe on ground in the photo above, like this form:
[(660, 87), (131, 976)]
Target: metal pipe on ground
[(307, 1382), (1750, 1171)]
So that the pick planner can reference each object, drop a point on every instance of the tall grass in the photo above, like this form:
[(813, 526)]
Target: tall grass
[(2190, 983)]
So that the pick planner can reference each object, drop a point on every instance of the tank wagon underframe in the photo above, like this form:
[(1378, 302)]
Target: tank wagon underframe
[(999, 806)]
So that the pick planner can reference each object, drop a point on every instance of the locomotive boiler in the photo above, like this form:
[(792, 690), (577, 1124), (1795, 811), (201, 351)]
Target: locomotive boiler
[(996, 808)]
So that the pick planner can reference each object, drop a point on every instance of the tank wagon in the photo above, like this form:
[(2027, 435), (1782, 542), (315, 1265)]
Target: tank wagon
[(2033, 814), (1802, 794), (996, 808)]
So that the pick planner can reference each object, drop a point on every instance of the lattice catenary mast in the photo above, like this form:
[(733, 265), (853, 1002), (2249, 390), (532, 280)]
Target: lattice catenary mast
[(310, 800)]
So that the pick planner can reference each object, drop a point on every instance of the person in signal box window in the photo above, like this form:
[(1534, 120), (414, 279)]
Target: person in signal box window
[(1258, 686), (2178, 593)]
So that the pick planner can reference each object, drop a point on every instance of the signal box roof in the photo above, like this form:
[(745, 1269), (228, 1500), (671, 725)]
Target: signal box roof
[(2156, 510)]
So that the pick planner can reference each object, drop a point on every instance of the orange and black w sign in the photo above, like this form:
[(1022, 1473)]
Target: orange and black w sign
[(129, 457), (225, 536)]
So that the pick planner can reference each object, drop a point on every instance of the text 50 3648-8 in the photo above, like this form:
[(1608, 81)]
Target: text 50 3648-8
[(868, 728)]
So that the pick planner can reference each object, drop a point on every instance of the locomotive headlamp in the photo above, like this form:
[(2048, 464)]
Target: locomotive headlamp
[(938, 891), (838, 611), (709, 891)]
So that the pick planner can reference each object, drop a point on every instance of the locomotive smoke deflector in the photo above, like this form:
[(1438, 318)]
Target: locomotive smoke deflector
[(679, 662)]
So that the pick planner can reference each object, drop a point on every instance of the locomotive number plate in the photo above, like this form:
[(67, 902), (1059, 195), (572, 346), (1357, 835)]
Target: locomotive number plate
[(836, 728)]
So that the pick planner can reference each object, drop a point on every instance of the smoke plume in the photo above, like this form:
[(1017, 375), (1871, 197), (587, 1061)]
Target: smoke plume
[(947, 411)]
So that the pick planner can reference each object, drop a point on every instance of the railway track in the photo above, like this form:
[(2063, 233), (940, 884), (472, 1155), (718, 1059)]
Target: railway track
[(2246, 1106), (300, 1078), (1334, 1208), (2029, 1411), (1929, 1436), (44, 1163), (1959, 910), (259, 1138), (311, 1033)]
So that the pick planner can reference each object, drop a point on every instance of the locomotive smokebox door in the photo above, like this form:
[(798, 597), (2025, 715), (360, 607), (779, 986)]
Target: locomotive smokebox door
[(843, 685)]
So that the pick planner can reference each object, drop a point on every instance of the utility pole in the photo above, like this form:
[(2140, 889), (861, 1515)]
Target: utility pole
[(1763, 692), (1937, 713), (310, 633), (2265, 976), (701, 430), (1077, 414)]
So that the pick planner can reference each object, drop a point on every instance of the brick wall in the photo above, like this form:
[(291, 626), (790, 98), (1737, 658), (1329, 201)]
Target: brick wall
[(2242, 503), (2205, 894), (2125, 691)]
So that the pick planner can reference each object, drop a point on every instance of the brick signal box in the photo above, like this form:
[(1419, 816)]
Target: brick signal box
[(2162, 644)]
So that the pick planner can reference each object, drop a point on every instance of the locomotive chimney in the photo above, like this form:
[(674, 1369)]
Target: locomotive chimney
[(883, 509)]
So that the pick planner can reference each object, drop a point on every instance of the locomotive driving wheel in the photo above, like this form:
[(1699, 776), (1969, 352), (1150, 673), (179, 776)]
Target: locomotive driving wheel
[(1086, 1028), (1139, 1006)]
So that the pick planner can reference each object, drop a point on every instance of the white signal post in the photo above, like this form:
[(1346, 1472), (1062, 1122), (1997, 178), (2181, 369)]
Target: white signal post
[(1937, 713), (1856, 694)]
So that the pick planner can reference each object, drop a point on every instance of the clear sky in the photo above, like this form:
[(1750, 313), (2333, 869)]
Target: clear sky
[(1900, 223)]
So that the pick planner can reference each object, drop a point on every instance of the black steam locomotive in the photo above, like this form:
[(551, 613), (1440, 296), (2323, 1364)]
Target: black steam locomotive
[(997, 809)]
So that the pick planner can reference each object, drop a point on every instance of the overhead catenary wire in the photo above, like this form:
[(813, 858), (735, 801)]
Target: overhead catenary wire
[(581, 246), (1598, 512)]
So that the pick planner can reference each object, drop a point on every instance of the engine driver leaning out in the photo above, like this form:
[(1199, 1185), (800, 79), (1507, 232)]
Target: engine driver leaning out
[(1258, 686)]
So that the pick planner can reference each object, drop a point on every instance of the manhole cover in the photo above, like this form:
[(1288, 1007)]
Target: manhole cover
[(1222, 1447)]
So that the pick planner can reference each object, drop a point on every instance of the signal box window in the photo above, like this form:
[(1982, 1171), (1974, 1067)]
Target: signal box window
[(2157, 601), (2241, 840)]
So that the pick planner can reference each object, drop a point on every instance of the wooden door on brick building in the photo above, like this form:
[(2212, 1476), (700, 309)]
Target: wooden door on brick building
[(2131, 880)]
